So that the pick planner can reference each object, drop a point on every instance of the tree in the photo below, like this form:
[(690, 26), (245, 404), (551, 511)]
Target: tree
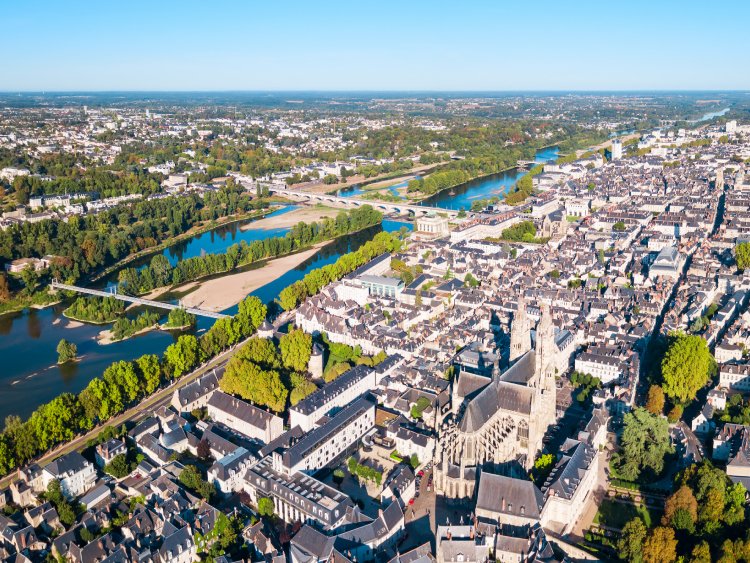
[(680, 505), (742, 255), (4, 289), (630, 544), (701, 553), (295, 348), (660, 546), (118, 467), (250, 382), (30, 278), (619, 226), (414, 461), (645, 441), (204, 449), (182, 356), (66, 351), (655, 402), (251, 313), (265, 506), (150, 372), (260, 351), (193, 480), (301, 387), (686, 367), (542, 467)]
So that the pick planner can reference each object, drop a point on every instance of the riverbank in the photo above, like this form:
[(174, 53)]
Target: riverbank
[(86, 321), (288, 220), (226, 291), (17, 305), (107, 336)]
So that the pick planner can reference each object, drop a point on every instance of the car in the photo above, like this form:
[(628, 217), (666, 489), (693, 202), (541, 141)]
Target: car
[(420, 473), (411, 502)]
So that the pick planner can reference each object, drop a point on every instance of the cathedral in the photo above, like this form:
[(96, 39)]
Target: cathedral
[(500, 421)]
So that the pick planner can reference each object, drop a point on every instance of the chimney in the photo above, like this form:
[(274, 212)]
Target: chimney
[(503, 504), (471, 532)]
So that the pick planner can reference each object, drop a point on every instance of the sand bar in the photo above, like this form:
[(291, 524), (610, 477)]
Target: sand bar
[(286, 220), (224, 292)]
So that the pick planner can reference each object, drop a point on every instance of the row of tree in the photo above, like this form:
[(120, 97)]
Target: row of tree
[(314, 281), (122, 384), (161, 273), (438, 181)]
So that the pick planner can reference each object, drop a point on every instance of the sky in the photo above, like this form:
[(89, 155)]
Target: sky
[(461, 45)]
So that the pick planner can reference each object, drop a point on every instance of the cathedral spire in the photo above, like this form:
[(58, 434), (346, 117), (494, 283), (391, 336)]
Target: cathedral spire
[(520, 331), (544, 346)]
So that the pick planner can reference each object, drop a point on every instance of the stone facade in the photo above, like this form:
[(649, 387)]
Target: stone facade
[(503, 425)]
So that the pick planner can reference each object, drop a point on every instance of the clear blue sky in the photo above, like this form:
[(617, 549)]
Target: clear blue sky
[(374, 45)]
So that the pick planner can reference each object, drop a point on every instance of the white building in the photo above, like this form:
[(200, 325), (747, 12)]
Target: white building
[(323, 445), (76, 475), (244, 417), (735, 376), (433, 225), (606, 368), (616, 149), (338, 393)]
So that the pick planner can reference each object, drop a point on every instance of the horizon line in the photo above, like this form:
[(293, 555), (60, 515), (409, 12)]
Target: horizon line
[(407, 90)]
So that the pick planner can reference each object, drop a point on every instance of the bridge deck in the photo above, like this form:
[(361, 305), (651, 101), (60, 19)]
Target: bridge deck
[(387, 206), (136, 300)]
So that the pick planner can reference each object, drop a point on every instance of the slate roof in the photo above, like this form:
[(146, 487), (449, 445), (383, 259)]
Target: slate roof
[(508, 393), (506, 495)]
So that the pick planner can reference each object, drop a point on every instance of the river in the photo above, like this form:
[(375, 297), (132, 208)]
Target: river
[(464, 194), (28, 339), (487, 186)]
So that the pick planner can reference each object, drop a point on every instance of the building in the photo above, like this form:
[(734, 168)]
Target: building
[(382, 286), (325, 444), (75, 474), (606, 368), (107, 451), (505, 422), (433, 225), (735, 377), (668, 263), (463, 544), (507, 501), (338, 393), (297, 497), (244, 417), (569, 485), (195, 394), (616, 149), (228, 472)]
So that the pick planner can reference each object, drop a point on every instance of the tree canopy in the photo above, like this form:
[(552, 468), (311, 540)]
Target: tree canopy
[(645, 442), (687, 367)]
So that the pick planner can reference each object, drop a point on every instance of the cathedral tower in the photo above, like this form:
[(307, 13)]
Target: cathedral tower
[(543, 381), (520, 332)]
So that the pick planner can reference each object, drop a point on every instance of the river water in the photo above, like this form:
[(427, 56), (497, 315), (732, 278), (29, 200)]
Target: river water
[(28, 339), (464, 194)]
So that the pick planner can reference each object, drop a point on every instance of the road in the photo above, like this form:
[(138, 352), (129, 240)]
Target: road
[(160, 398)]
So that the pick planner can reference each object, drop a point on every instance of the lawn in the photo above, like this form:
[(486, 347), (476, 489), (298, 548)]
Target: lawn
[(615, 514)]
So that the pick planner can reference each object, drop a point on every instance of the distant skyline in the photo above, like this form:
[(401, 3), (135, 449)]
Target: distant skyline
[(379, 46)]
